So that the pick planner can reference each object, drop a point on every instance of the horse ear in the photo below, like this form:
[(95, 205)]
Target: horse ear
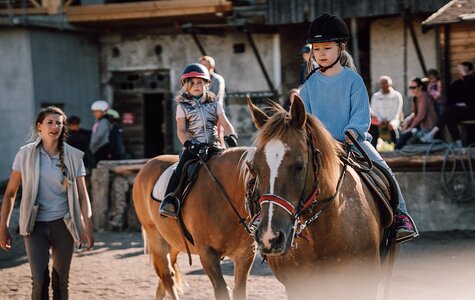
[(298, 113), (258, 116)]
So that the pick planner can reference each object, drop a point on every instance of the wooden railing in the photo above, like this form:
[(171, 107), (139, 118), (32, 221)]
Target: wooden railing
[(115, 11)]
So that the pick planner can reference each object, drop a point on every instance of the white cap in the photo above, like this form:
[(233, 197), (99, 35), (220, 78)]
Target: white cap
[(100, 105)]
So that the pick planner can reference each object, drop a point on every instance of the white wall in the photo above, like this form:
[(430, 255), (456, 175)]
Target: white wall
[(387, 52), (16, 95), (241, 70)]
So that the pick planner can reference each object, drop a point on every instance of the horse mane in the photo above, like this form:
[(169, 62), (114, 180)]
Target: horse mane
[(279, 126)]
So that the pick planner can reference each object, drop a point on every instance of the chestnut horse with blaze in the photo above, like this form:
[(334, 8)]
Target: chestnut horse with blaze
[(336, 254), (208, 217)]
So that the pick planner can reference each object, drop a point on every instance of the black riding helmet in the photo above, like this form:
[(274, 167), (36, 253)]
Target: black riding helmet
[(328, 28), (195, 71)]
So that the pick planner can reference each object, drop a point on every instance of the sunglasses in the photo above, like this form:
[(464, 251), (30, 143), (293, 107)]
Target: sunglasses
[(413, 87)]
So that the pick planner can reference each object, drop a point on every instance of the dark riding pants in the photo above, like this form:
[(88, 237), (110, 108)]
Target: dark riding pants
[(46, 235), (175, 178)]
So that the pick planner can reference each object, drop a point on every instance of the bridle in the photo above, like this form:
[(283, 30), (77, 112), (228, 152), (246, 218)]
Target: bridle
[(308, 204), (303, 204)]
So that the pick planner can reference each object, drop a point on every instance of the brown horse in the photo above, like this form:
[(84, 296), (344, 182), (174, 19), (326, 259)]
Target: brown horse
[(296, 161), (208, 217)]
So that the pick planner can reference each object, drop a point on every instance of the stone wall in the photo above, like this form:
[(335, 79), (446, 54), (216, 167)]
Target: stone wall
[(426, 199)]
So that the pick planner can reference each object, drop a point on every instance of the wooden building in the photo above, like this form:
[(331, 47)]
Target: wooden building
[(455, 26)]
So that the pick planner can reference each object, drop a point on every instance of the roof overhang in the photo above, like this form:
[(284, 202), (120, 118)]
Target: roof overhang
[(164, 11), (456, 11)]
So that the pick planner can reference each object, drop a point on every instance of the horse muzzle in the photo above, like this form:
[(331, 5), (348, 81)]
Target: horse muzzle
[(271, 242)]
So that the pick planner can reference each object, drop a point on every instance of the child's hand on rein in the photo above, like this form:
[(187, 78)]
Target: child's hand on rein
[(353, 134)]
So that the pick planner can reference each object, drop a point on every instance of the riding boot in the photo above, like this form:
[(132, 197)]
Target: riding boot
[(405, 227), (170, 206)]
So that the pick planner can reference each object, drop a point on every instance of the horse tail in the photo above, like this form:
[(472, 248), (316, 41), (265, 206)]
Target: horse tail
[(146, 250)]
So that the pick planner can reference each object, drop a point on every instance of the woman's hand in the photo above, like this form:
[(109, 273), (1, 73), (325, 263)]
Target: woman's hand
[(88, 238), (5, 239)]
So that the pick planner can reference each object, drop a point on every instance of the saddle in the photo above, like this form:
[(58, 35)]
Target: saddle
[(381, 184), (187, 179)]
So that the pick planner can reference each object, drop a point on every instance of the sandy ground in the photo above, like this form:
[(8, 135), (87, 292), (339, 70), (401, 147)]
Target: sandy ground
[(435, 266)]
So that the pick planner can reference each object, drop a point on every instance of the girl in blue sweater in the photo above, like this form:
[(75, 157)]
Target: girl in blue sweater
[(337, 96)]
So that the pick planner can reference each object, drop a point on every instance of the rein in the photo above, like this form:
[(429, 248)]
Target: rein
[(242, 221)]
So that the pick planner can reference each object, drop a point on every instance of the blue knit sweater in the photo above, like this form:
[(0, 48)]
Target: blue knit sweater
[(340, 102)]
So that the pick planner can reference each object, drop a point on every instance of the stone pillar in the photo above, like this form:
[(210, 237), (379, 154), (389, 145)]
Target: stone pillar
[(100, 197), (118, 195)]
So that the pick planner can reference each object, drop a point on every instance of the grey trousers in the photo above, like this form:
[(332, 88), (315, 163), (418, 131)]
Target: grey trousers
[(46, 235), (374, 155)]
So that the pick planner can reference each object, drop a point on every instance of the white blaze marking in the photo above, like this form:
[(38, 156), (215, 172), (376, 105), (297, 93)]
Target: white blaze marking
[(274, 152)]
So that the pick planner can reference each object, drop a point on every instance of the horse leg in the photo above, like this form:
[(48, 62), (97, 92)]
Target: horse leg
[(179, 279), (161, 259), (242, 268), (211, 263)]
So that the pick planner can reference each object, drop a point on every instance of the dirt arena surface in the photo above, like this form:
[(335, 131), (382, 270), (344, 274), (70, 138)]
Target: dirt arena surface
[(435, 266)]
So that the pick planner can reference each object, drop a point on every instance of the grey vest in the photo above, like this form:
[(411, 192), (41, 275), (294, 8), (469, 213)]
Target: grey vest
[(201, 118)]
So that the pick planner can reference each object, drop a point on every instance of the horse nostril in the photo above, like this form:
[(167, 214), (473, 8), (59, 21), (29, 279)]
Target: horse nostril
[(257, 233), (279, 239)]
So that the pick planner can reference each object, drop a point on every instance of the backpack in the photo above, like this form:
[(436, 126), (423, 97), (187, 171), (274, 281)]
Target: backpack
[(116, 141)]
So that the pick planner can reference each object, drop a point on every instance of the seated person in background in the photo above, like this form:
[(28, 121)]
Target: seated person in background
[(460, 104), (423, 117), (386, 110), (434, 88)]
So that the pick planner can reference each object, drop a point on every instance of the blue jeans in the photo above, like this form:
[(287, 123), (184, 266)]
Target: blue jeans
[(374, 155)]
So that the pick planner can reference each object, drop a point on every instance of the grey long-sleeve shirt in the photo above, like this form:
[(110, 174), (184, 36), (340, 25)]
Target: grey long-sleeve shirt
[(100, 134)]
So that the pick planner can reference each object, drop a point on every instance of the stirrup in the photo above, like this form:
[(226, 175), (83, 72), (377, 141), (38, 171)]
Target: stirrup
[(409, 234), (170, 199)]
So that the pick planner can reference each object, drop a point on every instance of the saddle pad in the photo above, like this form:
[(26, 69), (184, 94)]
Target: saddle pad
[(380, 185), (160, 187)]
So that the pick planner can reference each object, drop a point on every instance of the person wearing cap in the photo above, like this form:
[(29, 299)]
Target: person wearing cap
[(197, 116), (116, 135), (99, 143), (337, 96)]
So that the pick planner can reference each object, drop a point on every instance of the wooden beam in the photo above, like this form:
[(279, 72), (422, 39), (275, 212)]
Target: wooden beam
[(415, 163), (35, 4), (68, 3), (141, 10), (53, 6), (22, 11)]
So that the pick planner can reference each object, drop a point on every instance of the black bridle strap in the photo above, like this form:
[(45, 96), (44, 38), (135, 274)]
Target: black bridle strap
[(328, 200), (226, 196), (305, 205)]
